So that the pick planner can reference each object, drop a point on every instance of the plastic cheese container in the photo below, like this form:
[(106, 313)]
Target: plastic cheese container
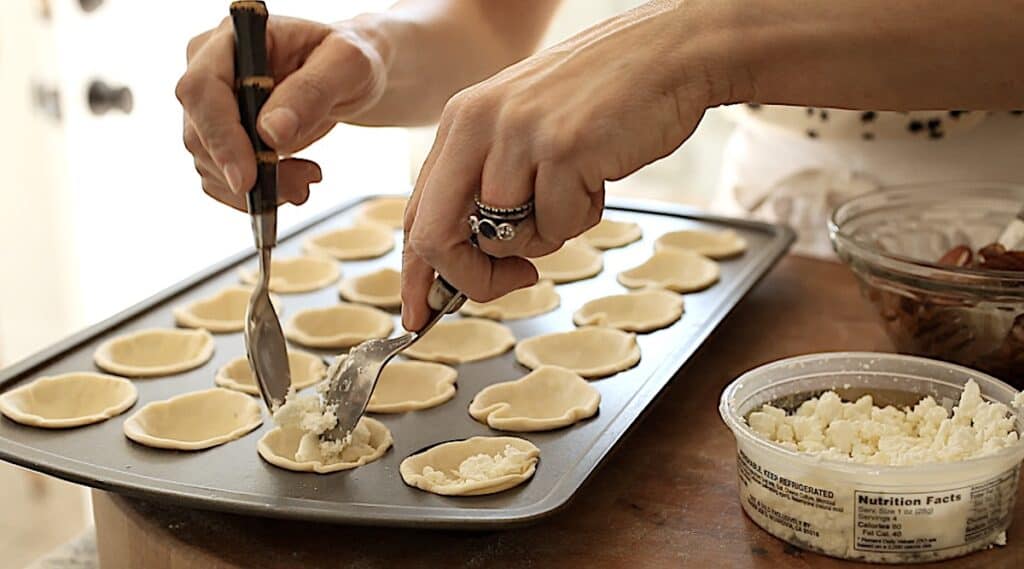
[(884, 514)]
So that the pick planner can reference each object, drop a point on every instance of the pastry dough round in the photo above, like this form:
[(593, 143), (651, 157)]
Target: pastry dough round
[(675, 269), (449, 463), (591, 351), (305, 370), (221, 313), (713, 244), (155, 352), (370, 440), (610, 234), (547, 398), (461, 341), (408, 386), (194, 421), (381, 288), (364, 241), (340, 326), (523, 303), (303, 273), (388, 211), (640, 311), (68, 400), (574, 261)]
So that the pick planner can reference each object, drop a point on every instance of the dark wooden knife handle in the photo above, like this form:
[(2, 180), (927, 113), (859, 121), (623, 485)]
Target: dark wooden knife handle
[(254, 84)]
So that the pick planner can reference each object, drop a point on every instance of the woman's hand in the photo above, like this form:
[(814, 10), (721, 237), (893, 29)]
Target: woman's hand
[(323, 74), (552, 129)]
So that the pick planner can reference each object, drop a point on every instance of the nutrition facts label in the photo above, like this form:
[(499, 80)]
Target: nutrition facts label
[(929, 521)]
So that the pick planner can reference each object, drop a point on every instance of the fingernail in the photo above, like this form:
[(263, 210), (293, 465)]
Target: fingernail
[(281, 125), (234, 177)]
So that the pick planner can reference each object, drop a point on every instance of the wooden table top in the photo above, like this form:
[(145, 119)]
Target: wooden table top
[(667, 498)]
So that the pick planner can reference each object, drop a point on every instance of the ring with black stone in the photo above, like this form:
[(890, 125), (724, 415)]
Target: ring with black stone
[(492, 229)]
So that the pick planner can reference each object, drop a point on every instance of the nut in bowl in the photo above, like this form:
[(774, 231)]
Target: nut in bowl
[(924, 256)]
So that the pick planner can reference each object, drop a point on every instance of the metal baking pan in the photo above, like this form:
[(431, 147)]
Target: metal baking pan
[(233, 478)]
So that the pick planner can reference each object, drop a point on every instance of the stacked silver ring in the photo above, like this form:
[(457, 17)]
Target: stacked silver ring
[(498, 222)]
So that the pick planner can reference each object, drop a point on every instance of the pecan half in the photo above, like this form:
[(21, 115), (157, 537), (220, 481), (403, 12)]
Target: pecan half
[(1006, 261), (959, 256)]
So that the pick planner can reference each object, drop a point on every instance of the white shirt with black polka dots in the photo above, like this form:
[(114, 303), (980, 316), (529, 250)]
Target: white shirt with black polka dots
[(793, 165), (864, 125)]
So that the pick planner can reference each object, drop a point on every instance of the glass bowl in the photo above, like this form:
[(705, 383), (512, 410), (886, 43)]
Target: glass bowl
[(893, 239)]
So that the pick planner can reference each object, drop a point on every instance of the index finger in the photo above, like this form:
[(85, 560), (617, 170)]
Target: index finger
[(440, 233)]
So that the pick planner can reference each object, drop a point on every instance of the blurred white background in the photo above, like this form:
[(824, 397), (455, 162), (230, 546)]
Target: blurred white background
[(102, 210)]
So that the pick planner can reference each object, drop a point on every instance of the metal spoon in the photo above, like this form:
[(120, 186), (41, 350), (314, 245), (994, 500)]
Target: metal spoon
[(351, 379)]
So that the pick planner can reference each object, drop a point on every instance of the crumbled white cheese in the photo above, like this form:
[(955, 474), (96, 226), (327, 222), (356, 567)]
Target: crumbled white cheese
[(1018, 400), (307, 414), (482, 467), (1000, 539), (862, 432), (883, 515)]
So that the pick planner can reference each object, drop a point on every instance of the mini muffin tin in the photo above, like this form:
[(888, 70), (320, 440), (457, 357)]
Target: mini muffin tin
[(233, 478)]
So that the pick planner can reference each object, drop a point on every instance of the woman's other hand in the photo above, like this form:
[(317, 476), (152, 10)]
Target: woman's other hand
[(323, 74), (552, 129)]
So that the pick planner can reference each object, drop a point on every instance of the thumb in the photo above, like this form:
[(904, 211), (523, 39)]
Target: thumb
[(342, 75)]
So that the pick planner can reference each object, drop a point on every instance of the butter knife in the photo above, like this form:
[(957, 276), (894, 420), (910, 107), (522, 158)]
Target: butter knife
[(264, 340)]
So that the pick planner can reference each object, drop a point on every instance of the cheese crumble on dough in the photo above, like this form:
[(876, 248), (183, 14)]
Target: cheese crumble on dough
[(482, 467), (307, 413)]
